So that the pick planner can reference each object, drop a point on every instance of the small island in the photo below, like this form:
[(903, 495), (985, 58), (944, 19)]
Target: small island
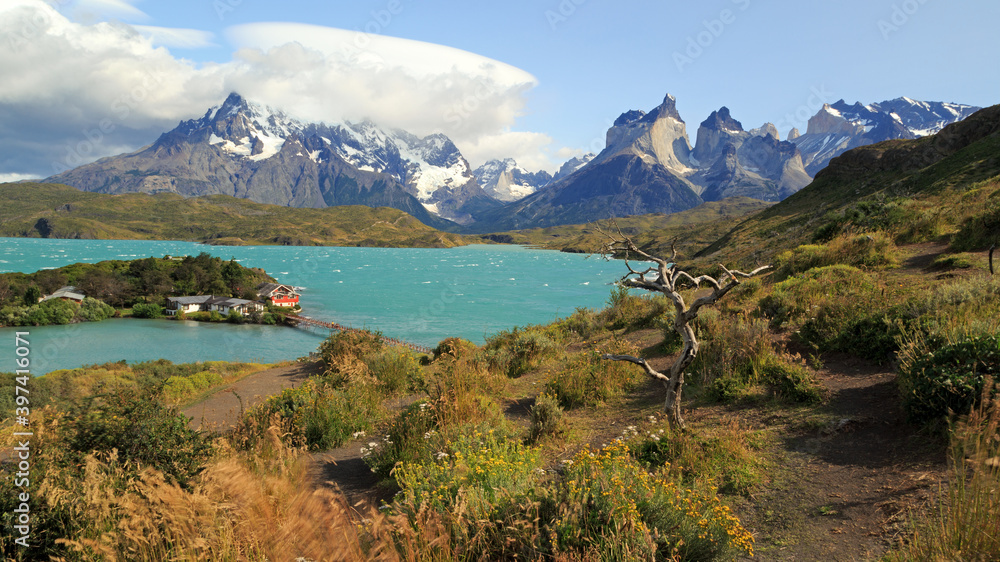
[(201, 287)]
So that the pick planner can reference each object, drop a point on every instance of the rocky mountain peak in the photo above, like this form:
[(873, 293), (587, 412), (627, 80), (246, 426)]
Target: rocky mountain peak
[(794, 134), (504, 180), (667, 109), (573, 164), (766, 130), (629, 117), (721, 120)]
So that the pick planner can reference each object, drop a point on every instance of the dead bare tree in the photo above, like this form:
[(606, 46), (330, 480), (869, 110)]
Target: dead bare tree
[(668, 280)]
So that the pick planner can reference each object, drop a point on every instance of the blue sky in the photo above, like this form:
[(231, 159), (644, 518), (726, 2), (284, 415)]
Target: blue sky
[(556, 73)]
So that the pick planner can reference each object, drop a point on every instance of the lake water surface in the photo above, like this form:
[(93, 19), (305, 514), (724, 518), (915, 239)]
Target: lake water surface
[(417, 295)]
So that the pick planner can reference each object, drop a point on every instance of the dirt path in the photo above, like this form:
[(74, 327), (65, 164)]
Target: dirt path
[(220, 410), (843, 490)]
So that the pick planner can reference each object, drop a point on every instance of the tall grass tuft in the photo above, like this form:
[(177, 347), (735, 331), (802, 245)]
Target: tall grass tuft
[(964, 523)]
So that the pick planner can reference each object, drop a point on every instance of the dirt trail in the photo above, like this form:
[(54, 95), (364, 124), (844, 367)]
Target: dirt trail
[(220, 410), (842, 490)]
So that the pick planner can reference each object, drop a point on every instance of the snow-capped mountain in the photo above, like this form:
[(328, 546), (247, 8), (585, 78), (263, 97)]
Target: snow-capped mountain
[(504, 180), (572, 165), (839, 127), (246, 149)]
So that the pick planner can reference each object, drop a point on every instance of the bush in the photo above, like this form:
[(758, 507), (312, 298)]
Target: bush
[(234, 317), (518, 351), (588, 380), (176, 389), (396, 370), (950, 380), (314, 415), (142, 310), (626, 310), (871, 251), (979, 231), (406, 440), (454, 348), (479, 470), (584, 323), (612, 507), (344, 352), (725, 456), (791, 382), (143, 431), (546, 417), (93, 310)]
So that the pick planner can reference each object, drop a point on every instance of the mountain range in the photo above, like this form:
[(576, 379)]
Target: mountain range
[(248, 150)]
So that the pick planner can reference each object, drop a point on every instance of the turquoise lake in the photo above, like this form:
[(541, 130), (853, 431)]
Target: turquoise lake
[(417, 295)]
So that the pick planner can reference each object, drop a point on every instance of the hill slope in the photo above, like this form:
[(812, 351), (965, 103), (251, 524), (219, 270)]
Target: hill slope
[(58, 211)]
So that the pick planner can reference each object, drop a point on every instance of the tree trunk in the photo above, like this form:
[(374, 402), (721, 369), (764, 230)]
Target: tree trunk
[(672, 406)]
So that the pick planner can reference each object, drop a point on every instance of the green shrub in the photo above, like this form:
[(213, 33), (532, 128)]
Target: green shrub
[(546, 417), (143, 310), (727, 456), (396, 370), (54, 311), (203, 380), (314, 415), (614, 508), (407, 440), (333, 417), (481, 470), (234, 317), (791, 382), (93, 310), (626, 310), (874, 337), (584, 323), (871, 251), (142, 430), (950, 380), (343, 354), (979, 231), (518, 351), (588, 380), (177, 389)]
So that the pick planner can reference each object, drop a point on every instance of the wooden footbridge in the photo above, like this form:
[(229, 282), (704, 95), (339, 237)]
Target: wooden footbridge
[(339, 328)]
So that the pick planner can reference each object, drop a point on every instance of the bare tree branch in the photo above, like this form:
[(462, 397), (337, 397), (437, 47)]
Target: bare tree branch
[(669, 275), (641, 362)]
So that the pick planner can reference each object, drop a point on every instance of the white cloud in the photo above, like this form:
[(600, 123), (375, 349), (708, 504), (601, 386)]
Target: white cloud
[(175, 37), (97, 10), (84, 91), (530, 150), (5, 178), (87, 91)]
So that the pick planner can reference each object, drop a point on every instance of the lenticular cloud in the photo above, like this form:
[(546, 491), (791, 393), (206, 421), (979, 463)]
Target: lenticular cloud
[(84, 91)]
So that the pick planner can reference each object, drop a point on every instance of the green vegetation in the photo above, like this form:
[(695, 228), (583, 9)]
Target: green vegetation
[(142, 284), (533, 447), (58, 211), (652, 233)]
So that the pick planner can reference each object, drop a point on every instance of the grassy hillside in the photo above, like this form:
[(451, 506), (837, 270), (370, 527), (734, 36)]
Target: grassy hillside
[(939, 187), (652, 232), (58, 211)]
